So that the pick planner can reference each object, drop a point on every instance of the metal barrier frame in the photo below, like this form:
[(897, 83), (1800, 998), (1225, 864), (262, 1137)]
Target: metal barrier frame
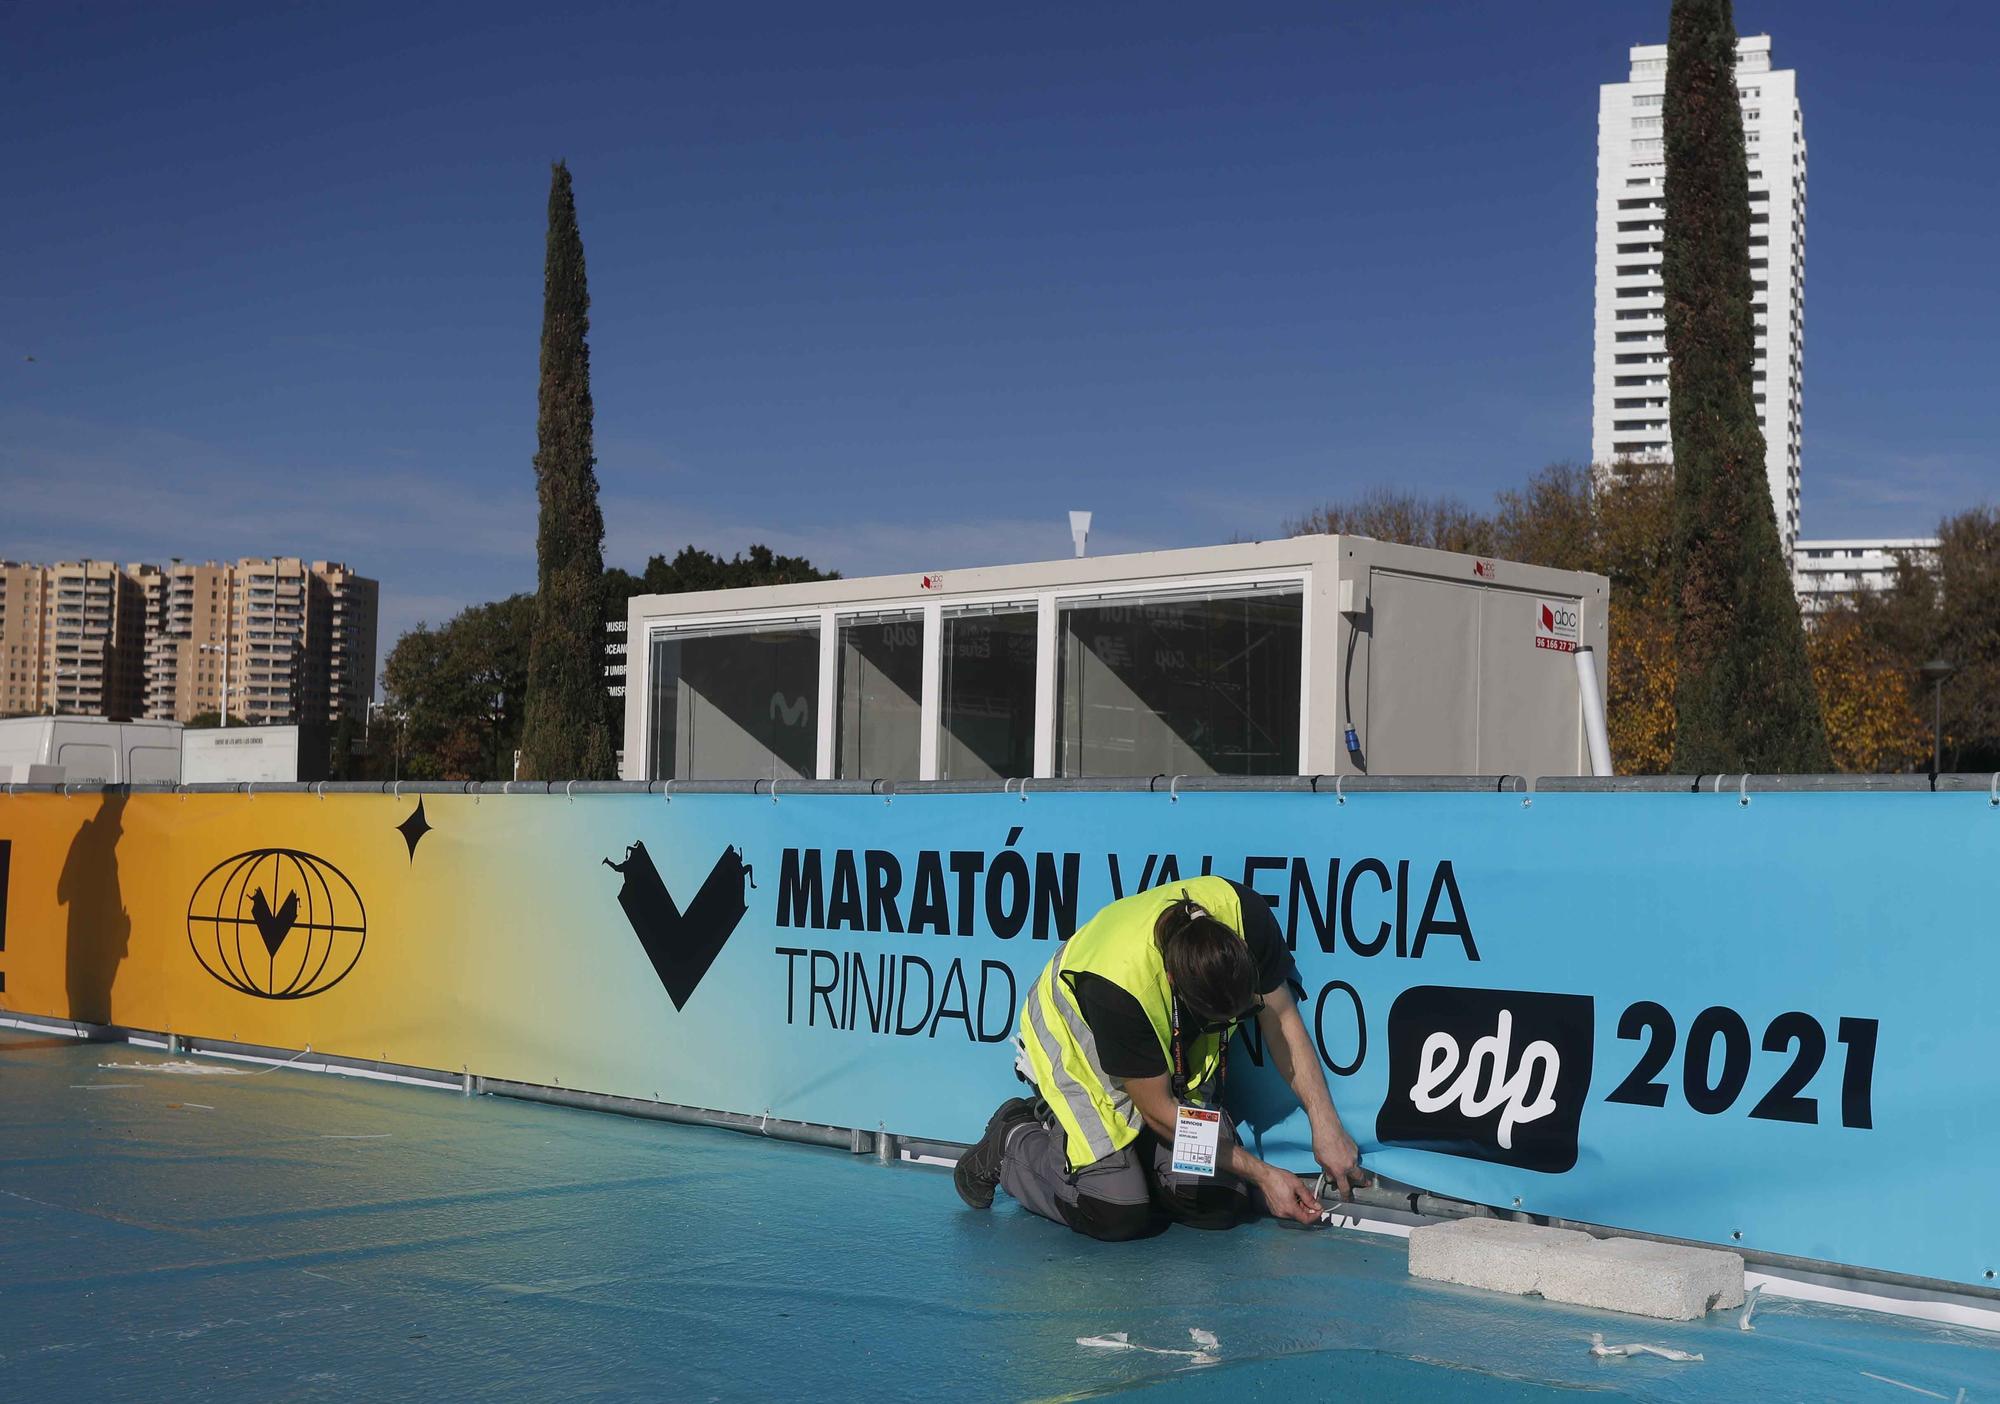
[(1171, 785)]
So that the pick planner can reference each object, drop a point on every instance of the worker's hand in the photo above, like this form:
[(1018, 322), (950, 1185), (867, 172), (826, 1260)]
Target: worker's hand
[(1335, 1151), (1289, 1196)]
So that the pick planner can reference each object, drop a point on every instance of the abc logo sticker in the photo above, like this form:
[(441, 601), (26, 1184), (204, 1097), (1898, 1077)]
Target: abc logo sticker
[(1498, 1075), (1556, 625)]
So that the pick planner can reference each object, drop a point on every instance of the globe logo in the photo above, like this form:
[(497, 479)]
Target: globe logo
[(277, 923)]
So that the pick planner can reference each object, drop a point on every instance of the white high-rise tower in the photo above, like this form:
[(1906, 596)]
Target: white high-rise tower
[(1629, 401)]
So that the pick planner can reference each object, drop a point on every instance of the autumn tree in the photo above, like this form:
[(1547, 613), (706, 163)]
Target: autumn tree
[(1872, 722), (1946, 604), (1441, 523), (1572, 517)]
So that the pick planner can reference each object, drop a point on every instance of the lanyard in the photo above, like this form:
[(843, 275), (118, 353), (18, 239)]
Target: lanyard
[(1180, 1053)]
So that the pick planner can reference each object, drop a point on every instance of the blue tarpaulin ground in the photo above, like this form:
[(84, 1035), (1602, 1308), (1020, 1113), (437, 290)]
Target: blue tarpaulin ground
[(242, 1235)]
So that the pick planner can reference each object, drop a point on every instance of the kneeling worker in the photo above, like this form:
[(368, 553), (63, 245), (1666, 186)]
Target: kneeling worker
[(1126, 1035)]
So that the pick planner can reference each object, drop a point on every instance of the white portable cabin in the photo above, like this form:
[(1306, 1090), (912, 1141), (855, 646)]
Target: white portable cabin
[(1309, 655)]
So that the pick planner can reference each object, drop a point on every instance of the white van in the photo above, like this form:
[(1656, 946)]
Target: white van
[(89, 751)]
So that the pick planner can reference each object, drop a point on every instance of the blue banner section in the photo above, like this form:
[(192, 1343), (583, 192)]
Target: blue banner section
[(1764, 1024)]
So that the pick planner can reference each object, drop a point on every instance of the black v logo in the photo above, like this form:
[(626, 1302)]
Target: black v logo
[(274, 927), (682, 945)]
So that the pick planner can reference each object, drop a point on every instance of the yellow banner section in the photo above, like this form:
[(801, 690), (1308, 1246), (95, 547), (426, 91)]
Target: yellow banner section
[(289, 920)]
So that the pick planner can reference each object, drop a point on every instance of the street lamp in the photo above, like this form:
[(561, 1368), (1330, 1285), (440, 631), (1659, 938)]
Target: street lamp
[(222, 649), (56, 676), (1937, 670)]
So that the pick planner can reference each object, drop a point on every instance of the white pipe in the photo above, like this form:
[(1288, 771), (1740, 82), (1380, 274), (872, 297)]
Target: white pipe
[(1593, 711)]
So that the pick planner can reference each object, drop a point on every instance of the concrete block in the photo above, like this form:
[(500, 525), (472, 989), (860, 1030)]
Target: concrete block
[(1643, 1278), (1497, 1254), (1614, 1274)]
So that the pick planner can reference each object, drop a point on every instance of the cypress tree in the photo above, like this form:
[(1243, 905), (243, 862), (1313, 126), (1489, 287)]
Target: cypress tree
[(564, 735), (1744, 696)]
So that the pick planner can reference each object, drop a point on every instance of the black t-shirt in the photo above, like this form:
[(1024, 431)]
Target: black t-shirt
[(1126, 1043)]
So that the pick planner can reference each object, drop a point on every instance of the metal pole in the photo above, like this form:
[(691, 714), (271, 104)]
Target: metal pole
[(1937, 726)]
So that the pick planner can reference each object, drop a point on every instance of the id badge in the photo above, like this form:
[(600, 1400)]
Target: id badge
[(1197, 1132)]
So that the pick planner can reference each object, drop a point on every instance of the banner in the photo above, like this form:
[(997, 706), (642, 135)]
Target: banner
[(1765, 1025)]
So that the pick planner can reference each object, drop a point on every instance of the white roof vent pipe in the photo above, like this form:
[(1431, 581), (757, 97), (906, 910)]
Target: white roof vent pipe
[(1079, 531)]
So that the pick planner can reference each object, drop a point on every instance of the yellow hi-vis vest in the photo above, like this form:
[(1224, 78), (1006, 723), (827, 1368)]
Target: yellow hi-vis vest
[(1092, 1107)]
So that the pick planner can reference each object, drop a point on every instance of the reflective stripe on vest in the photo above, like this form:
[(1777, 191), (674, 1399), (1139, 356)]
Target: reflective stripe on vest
[(1097, 1116)]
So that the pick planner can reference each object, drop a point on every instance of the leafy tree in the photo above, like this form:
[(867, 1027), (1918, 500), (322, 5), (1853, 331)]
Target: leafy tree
[(1948, 607), (457, 694), (694, 569), (1744, 697), (565, 735), (1966, 634), (202, 721)]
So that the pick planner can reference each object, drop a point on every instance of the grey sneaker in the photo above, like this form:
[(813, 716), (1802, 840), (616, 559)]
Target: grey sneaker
[(978, 1170)]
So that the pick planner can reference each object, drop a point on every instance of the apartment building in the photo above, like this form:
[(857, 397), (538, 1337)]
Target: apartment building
[(1826, 572), (72, 638), (187, 619), (22, 596), (281, 638), (1629, 413), (266, 639), (347, 623)]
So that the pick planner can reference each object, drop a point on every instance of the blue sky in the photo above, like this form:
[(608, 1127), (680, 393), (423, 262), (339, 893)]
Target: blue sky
[(896, 286)]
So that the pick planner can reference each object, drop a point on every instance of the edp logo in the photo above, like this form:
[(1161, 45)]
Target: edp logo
[(1497, 1075)]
